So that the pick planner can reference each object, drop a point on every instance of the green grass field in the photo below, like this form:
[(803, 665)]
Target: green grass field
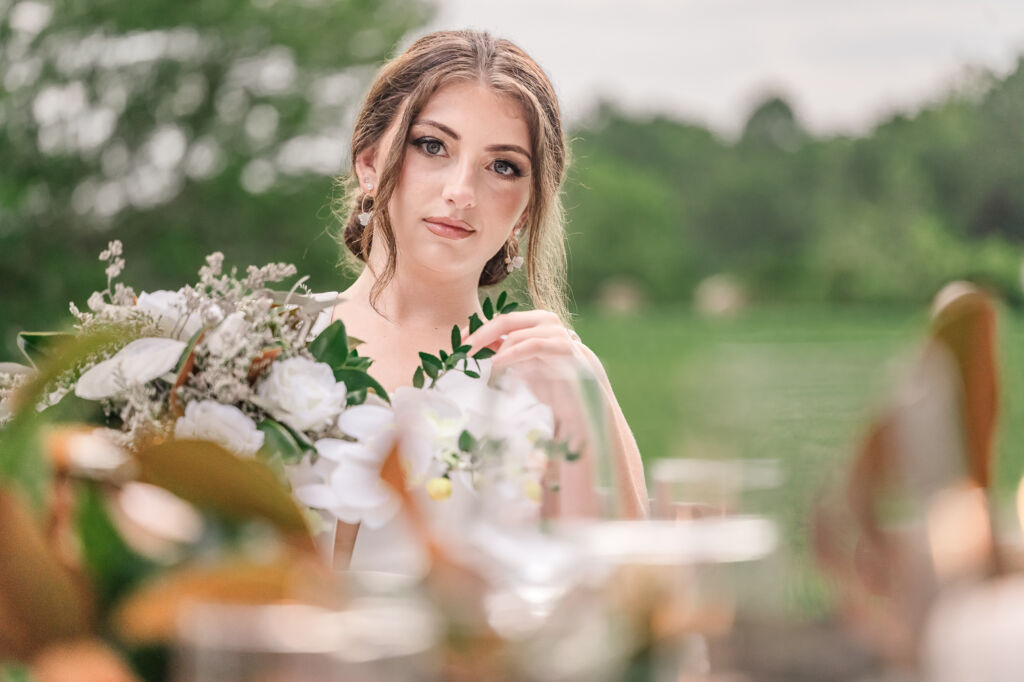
[(795, 384)]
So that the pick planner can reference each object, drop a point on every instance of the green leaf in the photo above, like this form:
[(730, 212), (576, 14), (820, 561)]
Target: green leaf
[(279, 440), (488, 308), (483, 354), (189, 347), (331, 346), (417, 378), (456, 337), (472, 374), (466, 442), (430, 362), (571, 456), (356, 397), (502, 297), (38, 346), (464, 348), (444, 356), (474, 323), (358, 380), (509, 308)]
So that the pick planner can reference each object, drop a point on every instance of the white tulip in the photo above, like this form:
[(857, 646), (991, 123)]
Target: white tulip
[(302, 393), (224, 425), (138, 363)]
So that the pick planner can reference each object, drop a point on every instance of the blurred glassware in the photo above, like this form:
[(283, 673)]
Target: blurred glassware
[(373, 639)]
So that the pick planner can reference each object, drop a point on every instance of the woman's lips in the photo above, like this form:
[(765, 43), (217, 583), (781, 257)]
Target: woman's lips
[(447, 228)]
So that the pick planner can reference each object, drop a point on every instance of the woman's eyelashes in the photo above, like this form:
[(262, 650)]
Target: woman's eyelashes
[(431, 146)]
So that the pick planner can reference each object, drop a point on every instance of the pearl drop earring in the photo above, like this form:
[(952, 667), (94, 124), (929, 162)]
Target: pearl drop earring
[(365, 215)]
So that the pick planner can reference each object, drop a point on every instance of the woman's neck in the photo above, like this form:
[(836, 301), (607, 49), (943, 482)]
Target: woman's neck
[(417, 302)]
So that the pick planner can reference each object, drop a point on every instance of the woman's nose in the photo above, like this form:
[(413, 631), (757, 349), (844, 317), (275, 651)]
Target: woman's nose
[(459, 191)]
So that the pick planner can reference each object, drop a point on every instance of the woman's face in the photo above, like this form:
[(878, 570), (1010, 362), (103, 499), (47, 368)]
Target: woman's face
[(465, 183)]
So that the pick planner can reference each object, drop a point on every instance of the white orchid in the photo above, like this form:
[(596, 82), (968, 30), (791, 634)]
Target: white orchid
[(170, 311), (225, 425), (137, 363)]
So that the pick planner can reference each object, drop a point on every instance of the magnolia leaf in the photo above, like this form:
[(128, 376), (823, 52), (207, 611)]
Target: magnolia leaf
[(83, 660), (150, 615), (483, 354), (38, 346), (358, 380), (509, 308), (331, 346), (502, 297), (212, 478), (41, 602), (964, 320), (417, 378), (470, 373), (488, 308), (474, 323), (456, 337)]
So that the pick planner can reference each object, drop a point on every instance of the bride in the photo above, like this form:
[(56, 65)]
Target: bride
[(458, 155)]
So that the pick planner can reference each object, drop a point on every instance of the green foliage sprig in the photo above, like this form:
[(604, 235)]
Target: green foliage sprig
[(435, 366)]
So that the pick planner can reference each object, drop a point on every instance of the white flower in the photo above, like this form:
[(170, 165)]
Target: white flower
[(224, 425), (302, 393), (224, 340), (170, 312), (139, 362), (430, 424), (353, 490)]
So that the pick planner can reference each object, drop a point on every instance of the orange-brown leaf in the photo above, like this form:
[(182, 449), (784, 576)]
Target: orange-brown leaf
[(40, 601), (212, 478)]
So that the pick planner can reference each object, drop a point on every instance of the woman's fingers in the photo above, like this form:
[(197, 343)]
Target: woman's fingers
[(493, 330)]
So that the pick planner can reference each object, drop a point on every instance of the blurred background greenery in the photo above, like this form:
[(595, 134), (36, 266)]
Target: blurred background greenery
[(185, 128)]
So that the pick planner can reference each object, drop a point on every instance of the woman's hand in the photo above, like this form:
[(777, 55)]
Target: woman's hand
[(556, 364), (534, 335)]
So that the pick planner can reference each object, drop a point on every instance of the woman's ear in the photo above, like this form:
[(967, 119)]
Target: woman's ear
[(366, 168)]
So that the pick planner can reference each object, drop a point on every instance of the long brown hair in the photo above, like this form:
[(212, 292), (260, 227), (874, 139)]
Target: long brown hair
[(402, 88)]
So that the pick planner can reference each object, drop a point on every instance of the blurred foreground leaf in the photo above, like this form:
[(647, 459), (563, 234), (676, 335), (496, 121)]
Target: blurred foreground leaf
[(40, 601), (150, 615), (212, 478), (965, 322)]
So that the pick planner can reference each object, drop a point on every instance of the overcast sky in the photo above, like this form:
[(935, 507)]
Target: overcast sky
[(842, 65)]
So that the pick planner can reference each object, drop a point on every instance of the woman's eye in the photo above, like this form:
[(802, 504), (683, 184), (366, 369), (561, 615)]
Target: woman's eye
[(430, 146), (505, 168)]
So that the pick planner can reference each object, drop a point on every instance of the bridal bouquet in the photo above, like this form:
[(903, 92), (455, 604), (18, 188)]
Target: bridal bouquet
[(226, 360), (266, 373)]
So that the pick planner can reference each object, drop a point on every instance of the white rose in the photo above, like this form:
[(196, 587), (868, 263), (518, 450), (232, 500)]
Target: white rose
[(170, 312), (224, 340), (302, 393), (138, 363), (224, 425)]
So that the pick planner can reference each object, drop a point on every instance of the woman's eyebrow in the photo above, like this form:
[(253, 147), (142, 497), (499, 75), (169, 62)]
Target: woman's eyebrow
[(455, 136)]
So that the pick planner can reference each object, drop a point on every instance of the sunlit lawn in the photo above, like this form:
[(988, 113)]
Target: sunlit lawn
[(796, 384)]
